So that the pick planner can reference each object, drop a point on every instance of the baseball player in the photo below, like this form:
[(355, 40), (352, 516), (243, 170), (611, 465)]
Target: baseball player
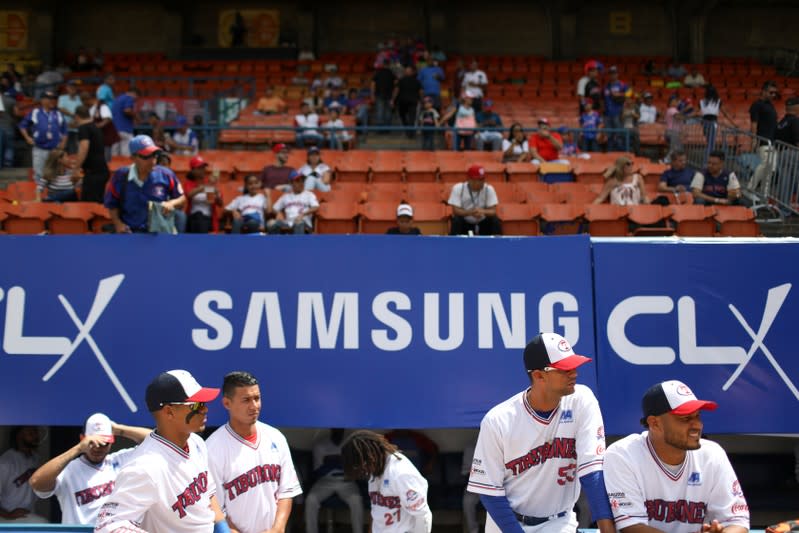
[(397, 491), (83, 476), (670, 479), (533, 448), (167, 485), (251, 462)]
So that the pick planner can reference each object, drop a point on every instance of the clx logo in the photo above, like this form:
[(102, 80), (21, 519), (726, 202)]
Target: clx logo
[(16, 343), (690, 352)]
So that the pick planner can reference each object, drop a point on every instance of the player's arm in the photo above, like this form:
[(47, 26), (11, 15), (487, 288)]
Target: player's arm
[(726, 504), (640, 528), (281, 516), (413, 500), (44, 479), (220, 522), (135, 433), (123, 511)]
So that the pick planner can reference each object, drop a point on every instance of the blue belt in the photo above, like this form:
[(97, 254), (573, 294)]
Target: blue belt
[(535, 520)]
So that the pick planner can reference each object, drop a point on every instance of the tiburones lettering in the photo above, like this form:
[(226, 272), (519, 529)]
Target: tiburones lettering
[(560, 447)]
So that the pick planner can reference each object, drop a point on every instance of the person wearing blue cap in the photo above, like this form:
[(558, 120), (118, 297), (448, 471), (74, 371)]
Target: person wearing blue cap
[(294, 210), (132, 188), (183, 141), (123, 112)]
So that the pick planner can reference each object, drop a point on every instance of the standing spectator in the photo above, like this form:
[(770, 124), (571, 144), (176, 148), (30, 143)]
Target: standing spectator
[(474, 205), (491, 136), (294, 210), (58, 178), (277, 175), (709, 109), (674, 120), (249, 209), (317, 174), (7, 118), (103, 119), (270, 103), (183, 141), (614, 103), (405, 98), (428, 118), (123, 112), (48, 80), (69, 102), (647, 112), (762, 113), (383, 83), (592, 92), (545, 144), (48, 130), (337, 135), (716, 185), (788, 127), (515, 149), (17, 465), (465, 122), (105, 92), (404, 222), (629, 120), (431, 77), (90, 157), (358, 106), (457, 79), (694, 79), (306, 122), (623, 186), (476, 81), (582, 82), (590, 122), (202, 197)]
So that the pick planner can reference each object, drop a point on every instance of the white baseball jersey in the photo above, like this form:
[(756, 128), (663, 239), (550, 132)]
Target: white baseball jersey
[(162, 488), (16, 468), (675, 499), (82, 487), (252, 476), (534, 461), (399, 498)]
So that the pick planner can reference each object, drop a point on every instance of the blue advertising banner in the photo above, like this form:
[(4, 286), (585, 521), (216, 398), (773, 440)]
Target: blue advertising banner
[(718, 316), (349, 331)]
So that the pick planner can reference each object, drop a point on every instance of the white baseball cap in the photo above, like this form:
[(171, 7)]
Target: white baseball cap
[(551, 350), (405, 210), (672, 397), (99, 424)]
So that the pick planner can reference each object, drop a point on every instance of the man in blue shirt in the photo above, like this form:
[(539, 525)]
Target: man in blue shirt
[(675, 180), (105, 92), (614, 103), (45, 129), (132, 187), (123, 112), (431, 77)]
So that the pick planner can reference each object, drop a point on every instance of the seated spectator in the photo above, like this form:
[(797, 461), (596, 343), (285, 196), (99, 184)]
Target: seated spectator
[(337, 136), (69, 101), (437, 54), (570, 148), (47, 80), (591, 122), (335, 98), (515, 149), (294, 210), (716, 185), (183, 141), (358, 106), (333, 80), (270, 103), (428, 118), (202, 195), (647, 112), (404, 222), (492, 137), (694, 79), (277, 176), (676, 179), (465, 122), (17, 465), (474, 205), (545, 144), (306, 122), (58, 178), (623, 186), (316, 101), (676, 71), (317, 174), (651, 68), (249, 210)]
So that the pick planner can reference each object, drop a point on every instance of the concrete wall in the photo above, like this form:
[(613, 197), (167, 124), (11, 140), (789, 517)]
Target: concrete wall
[(650, 29), (746, 31)]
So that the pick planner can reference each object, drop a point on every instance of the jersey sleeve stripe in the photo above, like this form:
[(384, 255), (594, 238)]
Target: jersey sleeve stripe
[(590, 464), (485, 486)]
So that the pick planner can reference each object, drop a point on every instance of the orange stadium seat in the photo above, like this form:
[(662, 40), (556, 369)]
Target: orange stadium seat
[(73, 218), (561, 219), (509, 193), (736, 221), (426, 192), (377, 217), (545, 197), (28, 218), (421, 167), (337, 217), (606, 220), (693, 220), (650, 220), (432, 218), (519, 219), (520, 172)]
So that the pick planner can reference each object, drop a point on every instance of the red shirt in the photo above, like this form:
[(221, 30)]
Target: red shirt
[(544, 146)]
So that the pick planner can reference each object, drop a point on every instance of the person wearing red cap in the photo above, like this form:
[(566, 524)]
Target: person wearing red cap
[(203, 196), (277, 175), (474, 205), (538, 448), (669, 478)]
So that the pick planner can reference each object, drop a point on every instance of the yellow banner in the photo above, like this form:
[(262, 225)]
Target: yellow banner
[(250, 28), (13, 30)]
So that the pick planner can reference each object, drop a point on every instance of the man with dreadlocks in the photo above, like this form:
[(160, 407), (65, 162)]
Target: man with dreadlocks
[(397, 491)]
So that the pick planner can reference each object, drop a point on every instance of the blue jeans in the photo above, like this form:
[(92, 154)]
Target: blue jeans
[(313, 138), (383, 112), (615, 140), (180, 220), (278, 226), (62, 196), (458, 140)]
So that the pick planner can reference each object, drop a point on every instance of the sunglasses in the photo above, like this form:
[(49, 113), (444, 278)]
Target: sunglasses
[(194, 406), (628, 164)]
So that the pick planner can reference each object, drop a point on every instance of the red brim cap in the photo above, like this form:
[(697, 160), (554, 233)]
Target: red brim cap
[(148, 150), (571, 362), (693, 406), (204, 395)]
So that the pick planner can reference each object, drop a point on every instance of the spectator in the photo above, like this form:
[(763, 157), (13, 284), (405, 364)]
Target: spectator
[(431, 77), (132, 188), (90, 157), (592, 93), (762, 113), (457, 80), (515, 149), (545, 144), (316, 102), (474, 205), (614, 103), (428, 118), (582, 82), (48, 80), (590, 122), (277, 176), (17, 465), (103, 119), (358, 106), (294, 209), (123, 112), (647, 112), (202, 197), (13, 80), (383, 83), (157, 130), (709, 109), (82, 63), (676, 71), (404, 222), (436, 54), (629, 120), (716, 185), (249, 210), (270, 103), (317, 174), (7, 119), (623, 186), (69, 102), (788, 127), (98, 61), (476, 81), (674, 120), (306, 122), (406, 96), (335, 99), (694, 79), (676, 179), (58, 179), (105, 92), (333, 80), (82, 477), (490, 120), (183, 141), (651, 69), (465, 122), (329, 475), (570, 148), (337, 135), (48, 131)]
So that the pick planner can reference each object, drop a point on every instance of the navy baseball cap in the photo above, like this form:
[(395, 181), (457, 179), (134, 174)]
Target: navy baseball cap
[(672, 397), (176, 386), (293, 175), (551, 350), (142, 145)]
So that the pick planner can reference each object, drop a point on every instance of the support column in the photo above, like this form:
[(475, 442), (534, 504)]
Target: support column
[(696, 43)]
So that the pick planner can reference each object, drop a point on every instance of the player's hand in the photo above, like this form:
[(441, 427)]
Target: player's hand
[(92, 442), (680, 188), (713, 527), (122, 228), (167, 208)]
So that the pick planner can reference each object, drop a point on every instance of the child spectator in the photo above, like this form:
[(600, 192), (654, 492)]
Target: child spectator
[(337, 136), (317, 174), (569, 148), (203, 196), (515, 149), (404, 222), (590, 121), (428, 118), (58, 178), (294, 210), (249, 209)]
